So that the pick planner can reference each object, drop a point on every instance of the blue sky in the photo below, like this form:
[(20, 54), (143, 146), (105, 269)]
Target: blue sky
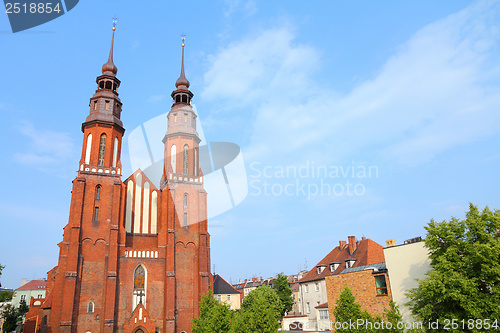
[(411, 89)]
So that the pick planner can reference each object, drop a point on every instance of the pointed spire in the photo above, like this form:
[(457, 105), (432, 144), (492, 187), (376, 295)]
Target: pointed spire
[(109, 67), (182, 79)]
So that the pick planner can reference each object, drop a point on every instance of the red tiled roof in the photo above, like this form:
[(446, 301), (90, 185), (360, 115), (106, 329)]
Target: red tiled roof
[(367, 252), (33, 285), (324, 305)]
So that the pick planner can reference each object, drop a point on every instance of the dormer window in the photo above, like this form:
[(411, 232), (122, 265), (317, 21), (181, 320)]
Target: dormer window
[(334, 266), (350, 263), (320, 268)]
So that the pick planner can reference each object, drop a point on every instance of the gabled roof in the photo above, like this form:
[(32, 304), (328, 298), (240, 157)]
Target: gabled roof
[(367, 253), (222, 287), (34, 285)]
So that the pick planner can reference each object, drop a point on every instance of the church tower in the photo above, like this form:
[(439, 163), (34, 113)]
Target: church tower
[(84, 288), (134, 258), (185, 201)]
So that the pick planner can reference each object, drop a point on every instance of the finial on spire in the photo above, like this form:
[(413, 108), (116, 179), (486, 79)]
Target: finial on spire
[(182, 79), (109, 67)]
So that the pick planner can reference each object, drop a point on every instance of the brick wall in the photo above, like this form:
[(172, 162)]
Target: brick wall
[(362, 285)]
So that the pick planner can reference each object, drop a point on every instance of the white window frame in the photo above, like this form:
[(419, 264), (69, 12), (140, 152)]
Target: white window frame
[(316, 286), (306, 288)]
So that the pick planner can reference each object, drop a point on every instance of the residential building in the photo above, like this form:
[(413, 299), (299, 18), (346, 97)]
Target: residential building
[(368, 283), (313, 288), (33, 288), (226, 293), (406, 263), (135, 256)]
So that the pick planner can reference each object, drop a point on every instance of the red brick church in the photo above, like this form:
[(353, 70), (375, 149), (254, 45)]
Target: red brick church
[(134, 258)]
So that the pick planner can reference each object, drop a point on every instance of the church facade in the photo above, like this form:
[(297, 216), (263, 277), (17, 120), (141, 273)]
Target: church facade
[(134, 258)]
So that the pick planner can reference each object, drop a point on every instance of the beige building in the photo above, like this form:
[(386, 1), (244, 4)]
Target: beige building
[(405, 263), (33, 288), (225, 293)]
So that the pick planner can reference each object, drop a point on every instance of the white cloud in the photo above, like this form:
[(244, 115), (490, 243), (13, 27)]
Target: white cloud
[(46, 147), (439, 90), (248, 7)]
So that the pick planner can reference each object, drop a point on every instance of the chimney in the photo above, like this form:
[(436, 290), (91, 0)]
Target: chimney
[(341, 244), (254, 279), (363, 238), (352, 244), (261, 278), (390, 242), (245, 280), (23, 281)]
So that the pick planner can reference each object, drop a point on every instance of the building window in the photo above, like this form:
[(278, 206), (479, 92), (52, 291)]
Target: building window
[(323, 314), (175, 117), (381, 285), (95, 105), (316, 286), (306, 288), (139, 286), (106, 106), (96, 214), (185, 219), (90, 307), (23, 298), (228, 297), (185, 200), (102, 148), (186, 149), (173, 156), (185, 116), (40, 296), (308, 307), (98, 193), (219, 298)]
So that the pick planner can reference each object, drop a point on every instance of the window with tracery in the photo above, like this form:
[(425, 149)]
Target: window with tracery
[(90, 307), (102, 148), (139, 296), (186, 150)]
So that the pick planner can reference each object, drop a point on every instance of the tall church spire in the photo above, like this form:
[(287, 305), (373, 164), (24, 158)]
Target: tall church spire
[(182, 81), (109, 67)]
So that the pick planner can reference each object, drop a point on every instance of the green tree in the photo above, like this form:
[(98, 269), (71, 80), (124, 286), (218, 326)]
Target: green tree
[(10, 316), (280, 285), (260, 312), (23, 308), (1, 269), (347, 311), (214, 316), (6, 295), (464, 282)]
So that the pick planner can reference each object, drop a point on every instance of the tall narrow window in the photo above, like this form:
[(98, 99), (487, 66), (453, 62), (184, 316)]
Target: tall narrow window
[(185, 200), (381, 285), (90, 307), (106, 106), (185, 219), (139, 286), (173, 158), (186, 150), (115, 152), (88, 150), (195, 152), (95, 105), (102, 149), (96, 214), (98, 193)]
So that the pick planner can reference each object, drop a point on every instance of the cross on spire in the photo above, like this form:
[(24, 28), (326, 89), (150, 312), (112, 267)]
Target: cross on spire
[(115, 19), (183, 37)]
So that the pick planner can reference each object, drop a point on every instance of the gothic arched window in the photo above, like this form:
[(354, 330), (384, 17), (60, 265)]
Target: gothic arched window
[(139, 296), (98, 192), (90, 307), (102, 148), (185, 200), (186, 150), (173, 155)]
